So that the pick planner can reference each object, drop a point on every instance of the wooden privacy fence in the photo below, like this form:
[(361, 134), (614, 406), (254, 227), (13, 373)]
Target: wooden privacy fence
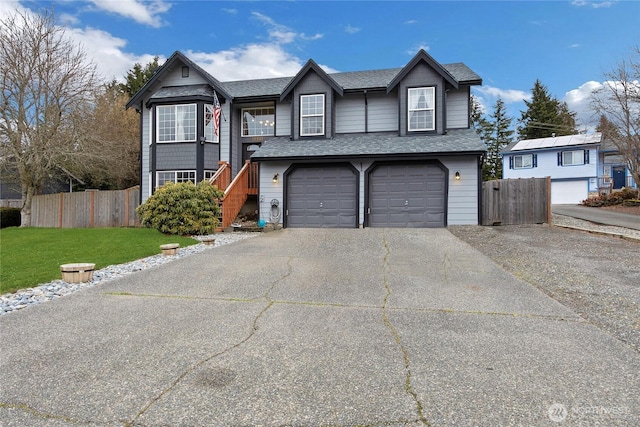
[(87, 209), (516, 201)]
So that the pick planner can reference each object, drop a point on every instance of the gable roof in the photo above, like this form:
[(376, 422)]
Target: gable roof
[(554, 142), (422, 56), (164, 69), (310, 66)]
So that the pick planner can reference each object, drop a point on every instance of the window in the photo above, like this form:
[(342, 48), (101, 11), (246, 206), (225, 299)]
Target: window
[(574, 157), (175, 176), (524, 161), (211, 120), (258, 121), (209, 174), (311, 115), (421, 109), (176, 123)]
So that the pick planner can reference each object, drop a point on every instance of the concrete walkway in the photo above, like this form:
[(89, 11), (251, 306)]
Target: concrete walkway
[(315, 328), (598, 216)]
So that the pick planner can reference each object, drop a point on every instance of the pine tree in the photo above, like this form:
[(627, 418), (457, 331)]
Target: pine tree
[(138, 76), (496, 134), (545, 116)]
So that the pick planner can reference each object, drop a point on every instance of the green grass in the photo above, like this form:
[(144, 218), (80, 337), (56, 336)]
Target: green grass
[(31, 256)]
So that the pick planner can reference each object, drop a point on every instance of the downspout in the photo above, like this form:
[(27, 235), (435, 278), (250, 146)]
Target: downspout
[(480, 189)]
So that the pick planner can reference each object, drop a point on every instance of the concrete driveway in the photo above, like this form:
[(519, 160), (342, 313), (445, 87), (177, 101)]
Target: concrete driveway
[(315, 328)]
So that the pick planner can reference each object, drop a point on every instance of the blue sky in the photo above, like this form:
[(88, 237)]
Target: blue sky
[(568, 45)]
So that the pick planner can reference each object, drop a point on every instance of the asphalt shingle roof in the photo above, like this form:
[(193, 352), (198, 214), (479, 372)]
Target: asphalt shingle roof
[(456, 141), (177, 91), (348, 80)]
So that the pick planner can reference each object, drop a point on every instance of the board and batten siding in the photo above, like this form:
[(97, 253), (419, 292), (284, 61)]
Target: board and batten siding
[(458, 108), (350, 114), (271, 191), (145, 184)]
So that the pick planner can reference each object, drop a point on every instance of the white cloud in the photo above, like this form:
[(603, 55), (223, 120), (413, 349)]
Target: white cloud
[(411, 22), (143, 12), (593, 4), (417, 48), (351, 30), (579, 101), (575, 45), (282, 34), (230, 11), (509, 96)]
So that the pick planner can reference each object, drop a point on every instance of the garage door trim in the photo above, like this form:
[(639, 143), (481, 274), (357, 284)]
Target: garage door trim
[(374, 165), (294, 166)]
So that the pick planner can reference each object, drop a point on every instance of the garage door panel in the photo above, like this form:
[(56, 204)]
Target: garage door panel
[(406, 195), (322, 197), (569, 192)]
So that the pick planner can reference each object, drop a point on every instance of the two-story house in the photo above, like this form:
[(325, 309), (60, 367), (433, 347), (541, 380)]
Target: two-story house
[(378, 148), (571, 161)]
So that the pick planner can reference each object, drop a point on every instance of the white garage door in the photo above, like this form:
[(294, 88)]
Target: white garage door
[(569, 192)]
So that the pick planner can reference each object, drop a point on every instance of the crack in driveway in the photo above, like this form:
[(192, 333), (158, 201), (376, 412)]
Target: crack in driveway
[(405, 353), (254, 327)]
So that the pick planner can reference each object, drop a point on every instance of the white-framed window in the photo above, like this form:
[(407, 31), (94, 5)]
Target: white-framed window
[(573, 157), (176, 123), (211, 120), (209, 174), (524, 161), (162, 177), (421, 109), (312, 115), (258, 121)]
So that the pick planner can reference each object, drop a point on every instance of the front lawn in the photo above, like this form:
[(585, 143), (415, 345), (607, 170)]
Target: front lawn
[(31, 256)]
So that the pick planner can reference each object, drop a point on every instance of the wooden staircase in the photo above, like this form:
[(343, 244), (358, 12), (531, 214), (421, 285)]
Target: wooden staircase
[(235, 192)]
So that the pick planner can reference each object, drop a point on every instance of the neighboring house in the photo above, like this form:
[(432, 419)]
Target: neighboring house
[(374, 148), (571, 161), (612, 169)]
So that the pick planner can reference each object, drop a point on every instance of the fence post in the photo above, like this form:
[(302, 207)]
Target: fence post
[(60, 210), (92, 209), (549, 200)]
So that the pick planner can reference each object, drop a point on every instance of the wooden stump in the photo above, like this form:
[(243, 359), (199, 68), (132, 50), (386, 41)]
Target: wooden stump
[(78, 272), (170, 248)]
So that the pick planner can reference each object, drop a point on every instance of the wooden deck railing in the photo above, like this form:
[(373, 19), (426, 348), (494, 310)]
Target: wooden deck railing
[(222, 177), (236, 193)]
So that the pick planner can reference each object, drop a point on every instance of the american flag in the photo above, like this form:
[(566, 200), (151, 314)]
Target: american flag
[(216, 113)]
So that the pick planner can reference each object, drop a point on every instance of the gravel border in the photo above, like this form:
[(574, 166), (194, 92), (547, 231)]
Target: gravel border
[(590, 268), (58, 288)]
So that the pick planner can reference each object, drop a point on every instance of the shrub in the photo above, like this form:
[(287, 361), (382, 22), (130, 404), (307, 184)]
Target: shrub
[(182, 209), (615, 198), (631, 202), (10, 217)]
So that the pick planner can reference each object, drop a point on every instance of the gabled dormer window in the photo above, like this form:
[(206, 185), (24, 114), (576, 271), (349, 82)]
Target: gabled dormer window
[(421, 109), (176, 123), (312, 115)]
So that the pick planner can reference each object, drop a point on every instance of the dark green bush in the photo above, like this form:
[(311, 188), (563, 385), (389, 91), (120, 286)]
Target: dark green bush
[(9, 217), (182, 209)]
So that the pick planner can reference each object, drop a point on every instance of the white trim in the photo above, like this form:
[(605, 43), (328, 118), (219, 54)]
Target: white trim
[(175, 106), (175, 177), (269, 126), (522, 157), (304, 116), (426, 108)]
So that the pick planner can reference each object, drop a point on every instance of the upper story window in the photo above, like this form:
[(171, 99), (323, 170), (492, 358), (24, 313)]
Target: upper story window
[(573, 157), (258, 121), (421, 109), (211, 123), (176, 123), (524, 161), (312, 115)]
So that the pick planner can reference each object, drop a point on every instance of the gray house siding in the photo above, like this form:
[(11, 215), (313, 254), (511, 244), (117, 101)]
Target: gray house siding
[(313, 84), (350, 114), (420, 76), (176, 156), (211, 156), (458, 108), (283, 118), (382, 113), (174, 78)]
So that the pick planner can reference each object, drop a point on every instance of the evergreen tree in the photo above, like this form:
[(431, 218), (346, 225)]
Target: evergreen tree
[(496, 133), (545, 116), (138, 76)]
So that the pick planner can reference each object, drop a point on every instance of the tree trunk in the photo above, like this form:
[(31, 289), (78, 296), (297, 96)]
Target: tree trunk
[(28, 191)]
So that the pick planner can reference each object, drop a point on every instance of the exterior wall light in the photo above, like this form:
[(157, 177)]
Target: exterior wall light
[(276, 178), (457, 176)]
